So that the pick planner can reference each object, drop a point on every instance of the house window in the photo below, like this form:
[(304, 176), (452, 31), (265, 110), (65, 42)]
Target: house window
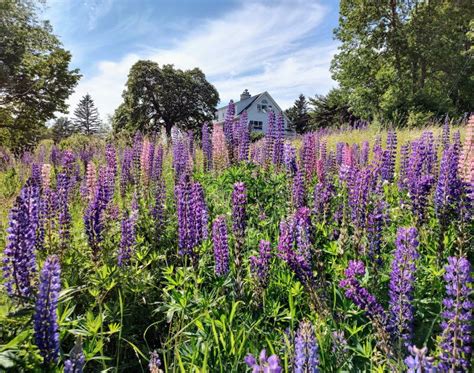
[(256, 124)]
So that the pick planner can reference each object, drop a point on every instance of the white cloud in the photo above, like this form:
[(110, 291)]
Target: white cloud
[(257, 46)]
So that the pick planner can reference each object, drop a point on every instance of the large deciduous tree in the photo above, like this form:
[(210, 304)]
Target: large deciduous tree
[(35, 79), (157, 97), (401, 56), (86, 117)]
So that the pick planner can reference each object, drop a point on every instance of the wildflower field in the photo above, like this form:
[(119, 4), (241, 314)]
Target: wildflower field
[(334, 251)]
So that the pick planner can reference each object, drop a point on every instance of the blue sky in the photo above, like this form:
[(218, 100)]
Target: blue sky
[(281, 46)]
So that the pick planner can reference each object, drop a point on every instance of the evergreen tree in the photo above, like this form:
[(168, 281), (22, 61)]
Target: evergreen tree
[(86, 119), (298, 114), (62, 128)]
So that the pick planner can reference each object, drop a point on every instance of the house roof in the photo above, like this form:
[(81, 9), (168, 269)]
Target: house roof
[(241, 106)]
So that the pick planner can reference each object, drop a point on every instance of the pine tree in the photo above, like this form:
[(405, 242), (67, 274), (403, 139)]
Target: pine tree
[(62, 128), (86, 119), (298, 114)]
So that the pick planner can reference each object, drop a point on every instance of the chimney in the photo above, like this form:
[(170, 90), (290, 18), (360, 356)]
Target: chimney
[(245, 95)]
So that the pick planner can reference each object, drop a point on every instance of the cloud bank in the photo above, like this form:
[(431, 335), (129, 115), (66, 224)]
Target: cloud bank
[(259, 46)]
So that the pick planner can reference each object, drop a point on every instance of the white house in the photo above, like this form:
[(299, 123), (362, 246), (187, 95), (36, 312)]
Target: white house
[(257, 107)]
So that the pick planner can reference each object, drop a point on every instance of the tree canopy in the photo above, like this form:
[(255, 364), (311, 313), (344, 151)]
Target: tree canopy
[(35, 79), (401, 56), (156, 97)]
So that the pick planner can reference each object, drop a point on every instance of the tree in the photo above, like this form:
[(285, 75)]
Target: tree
[(61, 129), (86, 119), (401, 56), (35, 79), (298, 114), (157, 97), (329, 110)]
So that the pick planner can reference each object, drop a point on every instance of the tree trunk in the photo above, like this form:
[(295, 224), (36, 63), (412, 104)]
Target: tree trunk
[(168, 127)]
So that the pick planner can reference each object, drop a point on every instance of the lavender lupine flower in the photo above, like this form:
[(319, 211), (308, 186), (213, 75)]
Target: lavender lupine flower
[(244, 143), (19, 257), (456, 339), (404, 166), (306, 349), (278, 143), (303, 233), (401, 288), (45, 320), (419, 361), (339, 343), (449, 187), (36, 173), (260, 266), (126, 174), (359, 295), (206, 147), (159, 207), (289, 158), (264, 364), (270, 137), (298, 189), (55, 156), (128, 238), (221, 246), (239, 203), (309, 155), (158, 163), (68, 161), (111, 158), (137, 154), (297, 263), (229, 129), (77, 360), (155, 363), (359, 190), (181, 162)]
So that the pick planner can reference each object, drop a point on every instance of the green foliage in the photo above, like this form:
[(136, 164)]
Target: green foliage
[(398, 57), (156, 97), (61, 129), (35, 79), (330, 110), (86, 117), (298, 115)]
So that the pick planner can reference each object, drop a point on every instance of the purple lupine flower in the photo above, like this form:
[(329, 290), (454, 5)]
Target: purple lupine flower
[(270, 136), (137, 154), (260, 266), (306, 349), (68, 162), (94, 214), (158, 163), (456, 339), (64, 219), (159, 207), (404, 166), (128, 238), (419, 178), (297, 263), (309, 155), (111, 158), (264, 364), (401, 289), (239, 204), (339, 152), (364, 154), (419, 361), (19, 257), (55, 156), (45, 319), (303, 233), (186, 226), (323, 195), (181, 162), (200, 213), (206, 147), (359, 295), (36, 173), (155, 363), (339, 342), (126, 174), (376, 219), (445, 137), (77, 360), (221, 246), (229, 129), (278, 144), (359, 183), (244, 142), (289, 158), (449, 186), (298, 189)]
